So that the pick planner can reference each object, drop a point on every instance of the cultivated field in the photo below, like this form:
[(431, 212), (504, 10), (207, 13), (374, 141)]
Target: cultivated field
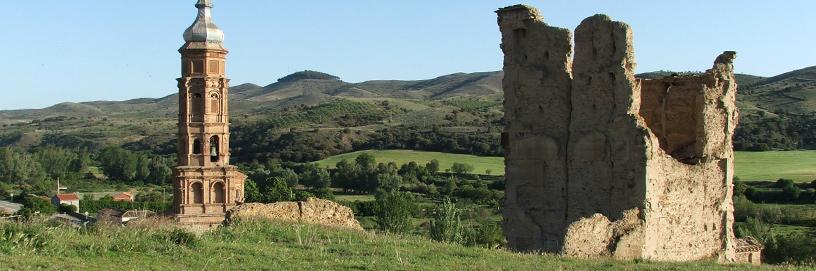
[(749, 166), (480, 163), (799, 166)]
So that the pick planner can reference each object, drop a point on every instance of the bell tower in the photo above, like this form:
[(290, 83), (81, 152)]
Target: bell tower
[(205, 184)]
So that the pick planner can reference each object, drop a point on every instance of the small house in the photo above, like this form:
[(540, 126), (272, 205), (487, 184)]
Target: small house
[(749, 250), (123, 196), (69, 199)]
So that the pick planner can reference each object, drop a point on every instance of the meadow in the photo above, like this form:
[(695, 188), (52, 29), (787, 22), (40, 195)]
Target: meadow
[(799, 166), (480, 163), (264, 245)]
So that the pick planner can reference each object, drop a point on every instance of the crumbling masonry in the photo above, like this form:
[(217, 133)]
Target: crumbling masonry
[(600, 163)]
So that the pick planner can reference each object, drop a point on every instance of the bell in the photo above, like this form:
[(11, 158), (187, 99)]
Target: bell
[(213, 152)]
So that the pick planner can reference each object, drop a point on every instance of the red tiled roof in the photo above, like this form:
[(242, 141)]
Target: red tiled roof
[(749, 244), (123, 196), (65, 197)]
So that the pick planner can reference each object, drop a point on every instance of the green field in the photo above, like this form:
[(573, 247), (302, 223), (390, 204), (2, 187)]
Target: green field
[(259, 245), (446, 160), (771, 165), (749, 166)]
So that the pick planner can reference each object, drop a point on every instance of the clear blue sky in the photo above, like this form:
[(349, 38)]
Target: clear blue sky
[(84, 50)]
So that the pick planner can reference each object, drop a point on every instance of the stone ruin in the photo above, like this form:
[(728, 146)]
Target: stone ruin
[(600, 163), (312, 211)]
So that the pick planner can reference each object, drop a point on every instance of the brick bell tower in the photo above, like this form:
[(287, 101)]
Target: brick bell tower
[(205, 185)]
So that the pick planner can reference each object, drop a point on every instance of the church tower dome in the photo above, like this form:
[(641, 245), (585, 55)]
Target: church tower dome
[(204, 29)]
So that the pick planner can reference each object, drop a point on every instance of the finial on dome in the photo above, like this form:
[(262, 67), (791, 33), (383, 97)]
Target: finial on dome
[(204, 29), (204, 3)]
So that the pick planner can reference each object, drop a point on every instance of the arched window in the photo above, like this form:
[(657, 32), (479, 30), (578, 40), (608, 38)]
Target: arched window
[(215, 149), (215, 104), (197, 190), (197, 146), (219, 193)]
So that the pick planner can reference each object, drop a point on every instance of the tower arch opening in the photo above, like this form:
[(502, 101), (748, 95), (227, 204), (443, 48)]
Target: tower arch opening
[(219, 193), (215, 149), (197, 148), (197, 193)]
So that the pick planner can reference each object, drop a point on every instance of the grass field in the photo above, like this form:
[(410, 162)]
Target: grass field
[(261, 245), (796, 165), (749, 166), (446, 160)]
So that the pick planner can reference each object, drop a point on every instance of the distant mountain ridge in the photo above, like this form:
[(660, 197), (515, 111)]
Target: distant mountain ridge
[(792, 92)]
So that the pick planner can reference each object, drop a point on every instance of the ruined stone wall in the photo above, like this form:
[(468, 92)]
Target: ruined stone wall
[(537, 106), (600, 163)]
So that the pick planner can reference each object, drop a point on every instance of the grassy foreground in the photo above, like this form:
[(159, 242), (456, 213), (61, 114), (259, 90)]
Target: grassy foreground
[(749, 166), (263, 245)]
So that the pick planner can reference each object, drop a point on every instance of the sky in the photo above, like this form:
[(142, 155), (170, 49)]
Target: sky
[(86, 50)]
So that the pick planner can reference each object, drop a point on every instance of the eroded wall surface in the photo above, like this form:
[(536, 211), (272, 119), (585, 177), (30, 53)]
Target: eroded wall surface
[(537, 109), (600, 163)]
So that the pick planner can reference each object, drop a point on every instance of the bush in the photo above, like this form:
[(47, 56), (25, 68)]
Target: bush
[(22, 237), (791, 192), (394, 211), (279, 190), (33, 205), (487, 234), (782, 183), (67, 208), (180, 237), (446, 225), (462, 168)]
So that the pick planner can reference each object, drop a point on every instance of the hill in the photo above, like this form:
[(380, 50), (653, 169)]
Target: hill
[(260, 245), (309, 115), (306, 87), (793, 92)]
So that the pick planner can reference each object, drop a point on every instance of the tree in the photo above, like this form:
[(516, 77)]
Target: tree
[(66, 208), (461, 168), (345, 175), (251, 192), (278, 190), (450, 186), (433, 166), (782, 183), (791, 192), (446, 225), (315, 177), (388, 178), (394, 211), (33, 204), (160, 171), (17, 166), (57, 162)]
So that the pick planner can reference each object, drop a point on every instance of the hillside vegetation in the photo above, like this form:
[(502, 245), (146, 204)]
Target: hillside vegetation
[(262, 245)]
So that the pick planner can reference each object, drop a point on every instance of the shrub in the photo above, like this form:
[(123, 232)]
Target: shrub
[(461, 168), (279, 190), (446, 225), (782, 183), (66, 208), (487, 234), (23, 237), (791, 192), (180, 237), (33, 205), (394, 211)]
